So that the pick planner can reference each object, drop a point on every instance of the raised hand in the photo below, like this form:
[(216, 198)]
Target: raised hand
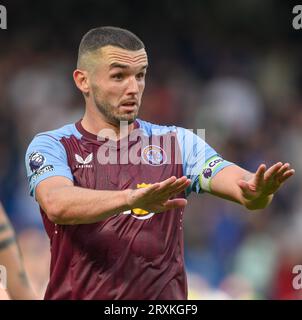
[(157, 197), (265, 181)]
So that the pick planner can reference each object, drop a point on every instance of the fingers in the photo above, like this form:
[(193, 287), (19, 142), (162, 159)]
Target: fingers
[(168, 182), (175, 204), (178, 186), (283, 173), (286, 175), (259, 175), (160, 186), (151, 189), (182, 187), (161, 191), (282, 170), (272, 171), (176, 183), (171, 188)]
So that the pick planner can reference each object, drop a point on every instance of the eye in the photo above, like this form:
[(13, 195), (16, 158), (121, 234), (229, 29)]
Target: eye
[(117, 76), (141, 75)]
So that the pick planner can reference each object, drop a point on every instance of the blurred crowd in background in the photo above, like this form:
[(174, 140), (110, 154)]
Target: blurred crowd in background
[(232, 69)]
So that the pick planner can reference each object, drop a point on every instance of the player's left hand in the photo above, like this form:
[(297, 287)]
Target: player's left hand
[(265, 181)]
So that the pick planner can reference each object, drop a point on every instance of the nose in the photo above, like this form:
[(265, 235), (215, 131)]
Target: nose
[(132, 86)]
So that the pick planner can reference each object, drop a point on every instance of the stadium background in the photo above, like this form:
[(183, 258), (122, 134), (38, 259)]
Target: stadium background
[(231, 67)]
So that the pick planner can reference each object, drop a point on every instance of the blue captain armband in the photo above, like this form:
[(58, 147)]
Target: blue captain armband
[(210, 169)]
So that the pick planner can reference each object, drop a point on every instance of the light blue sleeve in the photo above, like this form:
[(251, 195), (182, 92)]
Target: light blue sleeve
[(45, 157), (200, 161)]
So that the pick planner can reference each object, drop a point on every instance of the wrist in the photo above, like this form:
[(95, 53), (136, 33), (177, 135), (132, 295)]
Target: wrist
[(260, 202), (127, 198)]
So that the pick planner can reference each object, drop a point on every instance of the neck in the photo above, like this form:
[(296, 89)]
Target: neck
[(95, 123)]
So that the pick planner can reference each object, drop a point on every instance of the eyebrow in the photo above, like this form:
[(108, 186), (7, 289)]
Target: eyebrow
[(123, 66)]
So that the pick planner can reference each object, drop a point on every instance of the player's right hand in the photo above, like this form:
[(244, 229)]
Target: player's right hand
[(158, 197)]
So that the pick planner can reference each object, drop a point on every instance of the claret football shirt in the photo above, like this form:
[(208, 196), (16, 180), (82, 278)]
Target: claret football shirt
[(133, 254)]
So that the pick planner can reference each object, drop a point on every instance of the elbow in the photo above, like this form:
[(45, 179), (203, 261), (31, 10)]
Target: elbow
[(55, 216), (54, 209), (59, 214)]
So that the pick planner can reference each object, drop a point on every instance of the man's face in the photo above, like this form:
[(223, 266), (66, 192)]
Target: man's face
[(118, 82)]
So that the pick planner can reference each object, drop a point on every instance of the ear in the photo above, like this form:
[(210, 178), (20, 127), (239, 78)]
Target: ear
[(81, 80)]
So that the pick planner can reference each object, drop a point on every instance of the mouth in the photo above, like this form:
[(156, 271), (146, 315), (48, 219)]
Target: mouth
[(129, 105)]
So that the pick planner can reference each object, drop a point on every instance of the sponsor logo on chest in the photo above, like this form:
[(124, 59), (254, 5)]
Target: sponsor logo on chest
[(84, 162)]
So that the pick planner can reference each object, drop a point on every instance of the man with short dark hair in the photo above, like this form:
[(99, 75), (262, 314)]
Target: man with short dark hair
[(102, 182)]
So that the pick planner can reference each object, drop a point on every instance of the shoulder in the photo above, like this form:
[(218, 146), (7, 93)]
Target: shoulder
[(57, 134), (183, 135), (54, 137), (50, 141), (156, 129), (153, 129)]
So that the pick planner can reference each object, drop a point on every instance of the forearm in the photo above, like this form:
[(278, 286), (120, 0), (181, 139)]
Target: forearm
[(75, 205), (18, 285), (10, 257)]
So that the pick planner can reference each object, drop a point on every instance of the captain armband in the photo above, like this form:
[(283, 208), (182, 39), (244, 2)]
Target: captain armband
[(208, 172)]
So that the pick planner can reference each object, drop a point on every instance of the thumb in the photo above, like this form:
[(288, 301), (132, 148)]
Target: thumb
[(243, 185), (175, 203), (246, 187)]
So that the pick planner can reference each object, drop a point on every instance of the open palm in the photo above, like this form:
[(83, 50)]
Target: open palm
[(266, 181), (157, 197)]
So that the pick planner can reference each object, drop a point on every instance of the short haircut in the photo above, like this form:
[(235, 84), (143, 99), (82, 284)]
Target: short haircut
[(100, 37)]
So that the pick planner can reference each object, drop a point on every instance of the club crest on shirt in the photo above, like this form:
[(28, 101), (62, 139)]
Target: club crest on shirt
[(36, 161), (154, 155), (84, 163)]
